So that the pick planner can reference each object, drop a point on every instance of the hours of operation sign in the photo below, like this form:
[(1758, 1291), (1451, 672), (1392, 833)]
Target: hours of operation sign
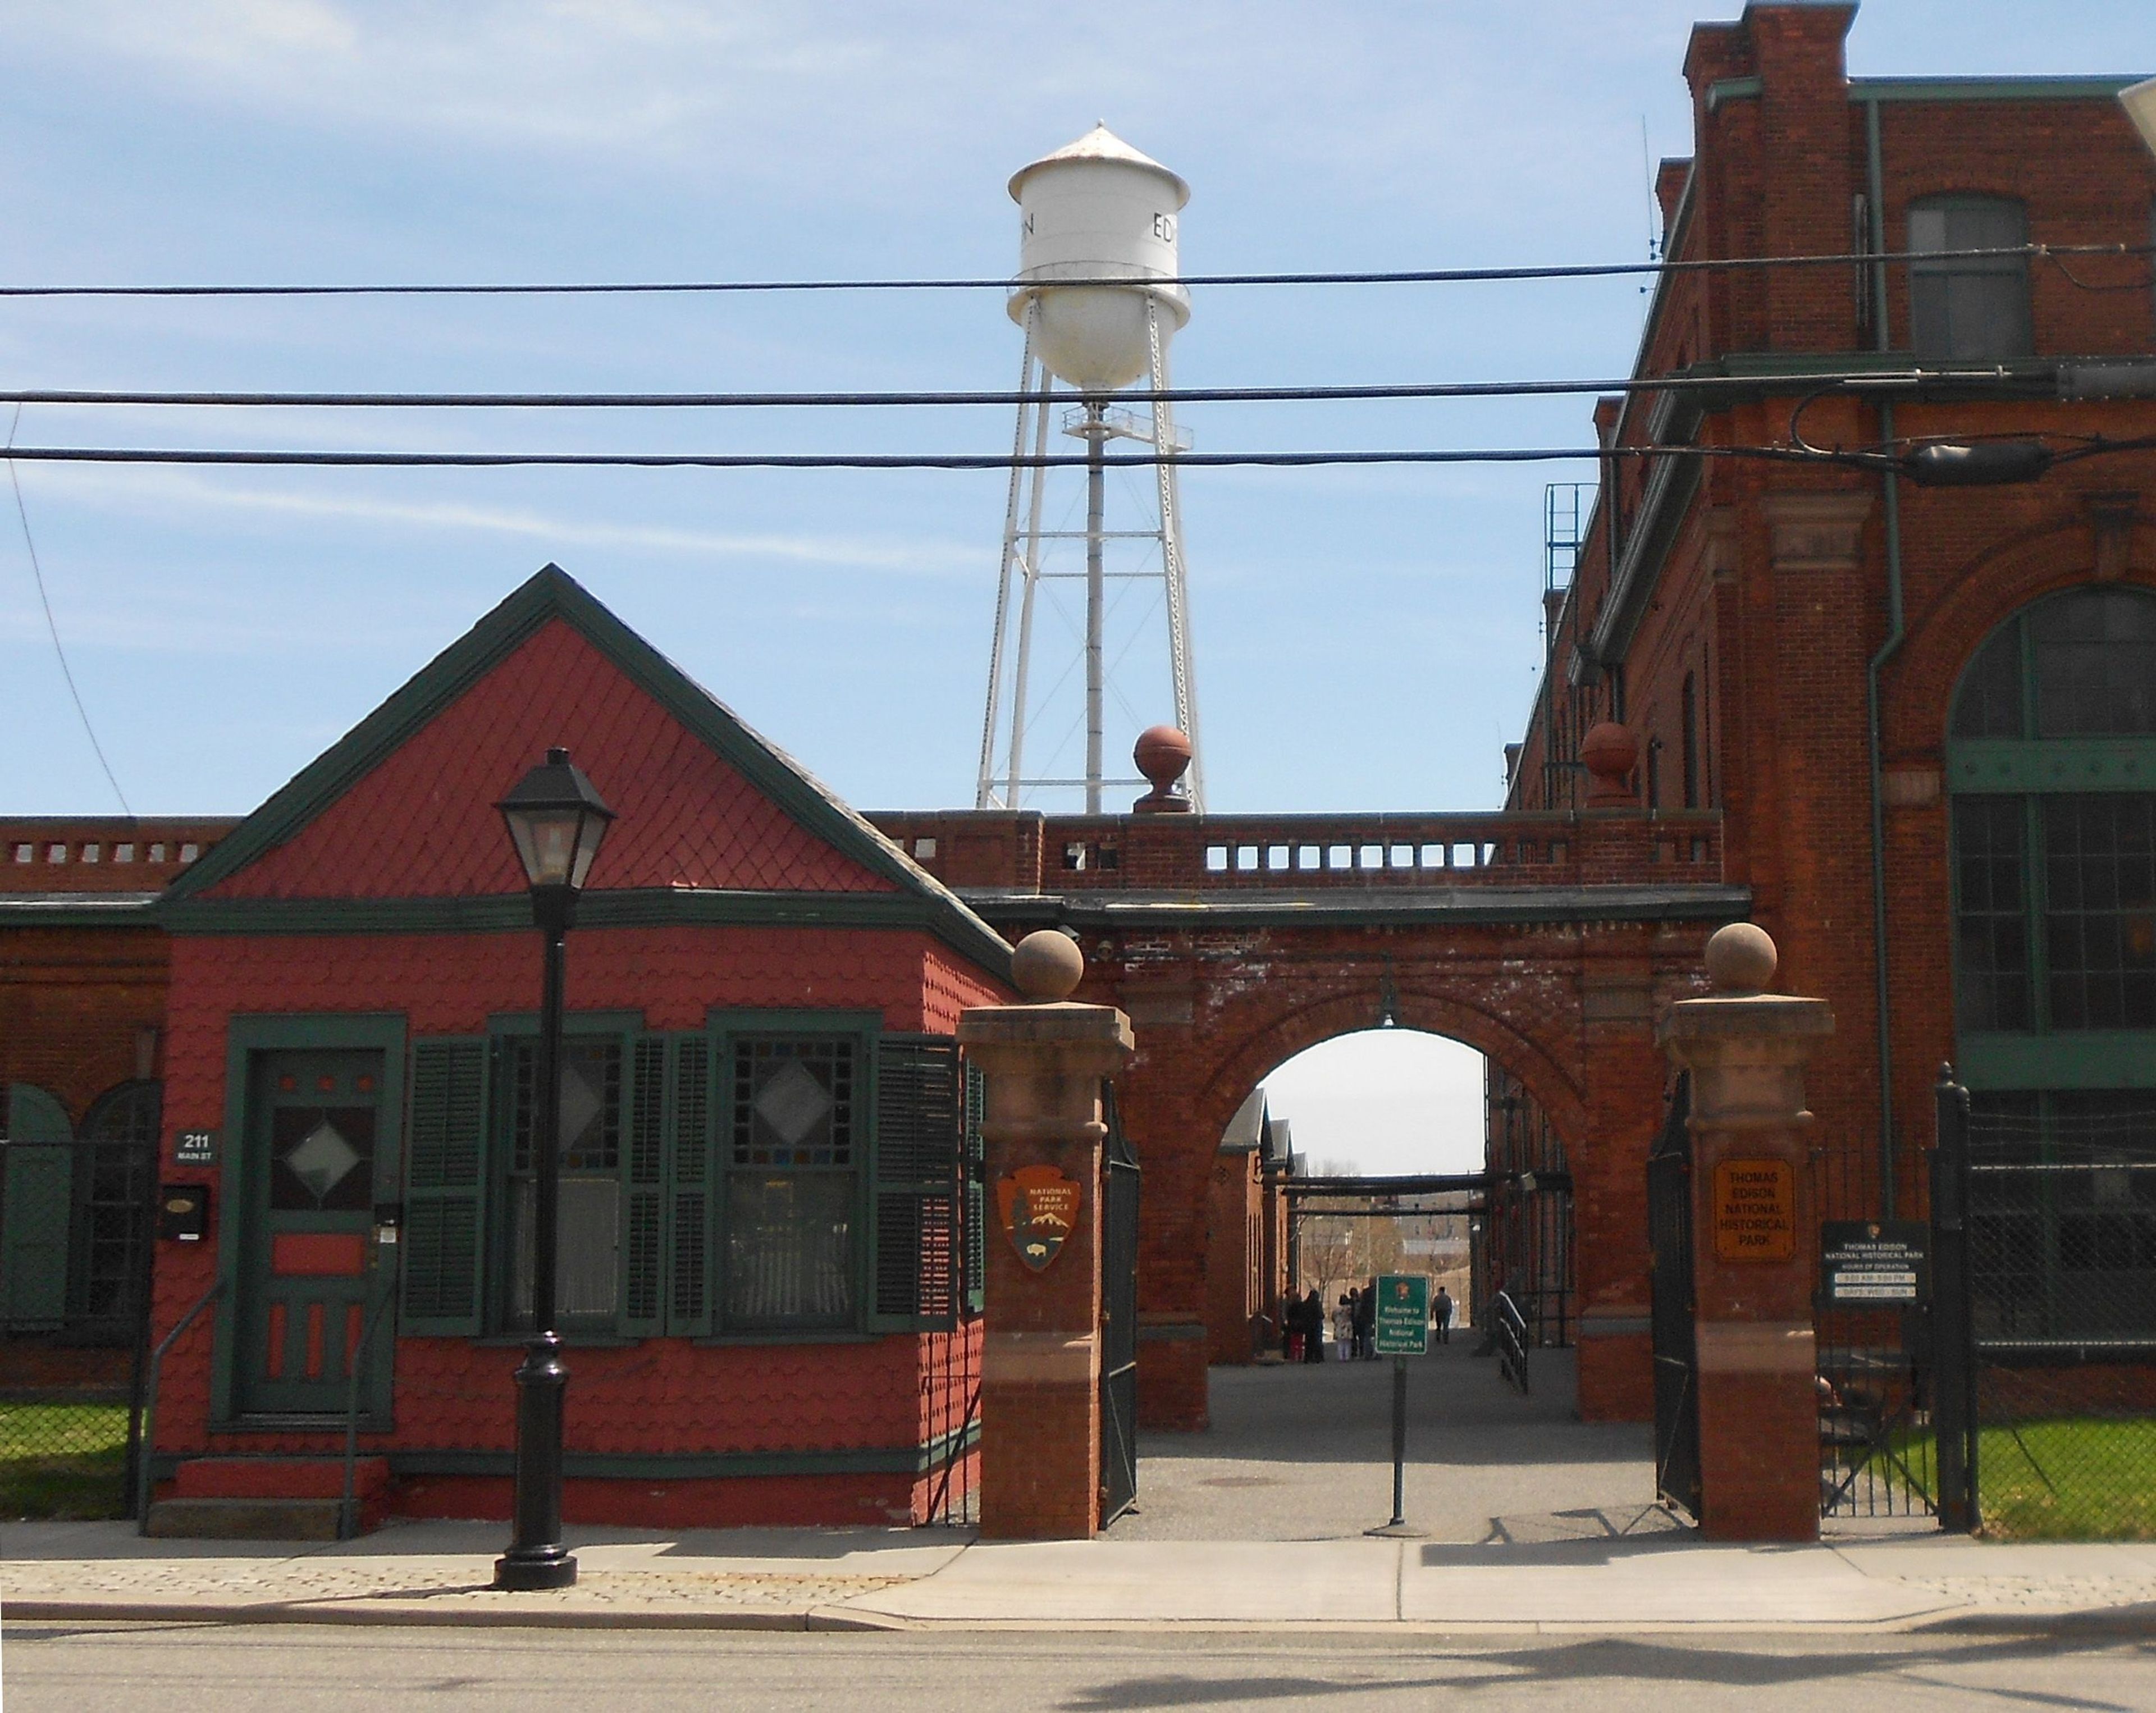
[(1755, 1211)]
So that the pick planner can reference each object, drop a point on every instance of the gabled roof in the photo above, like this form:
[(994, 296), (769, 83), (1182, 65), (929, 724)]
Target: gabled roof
[(905, 892)]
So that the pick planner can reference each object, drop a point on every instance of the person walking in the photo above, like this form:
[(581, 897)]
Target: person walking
[(1366, 1322), (1441, 1316), (1343, 1327), (1313, 1327)]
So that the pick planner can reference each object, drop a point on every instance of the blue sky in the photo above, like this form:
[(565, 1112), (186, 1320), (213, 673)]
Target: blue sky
[(1363, 638)]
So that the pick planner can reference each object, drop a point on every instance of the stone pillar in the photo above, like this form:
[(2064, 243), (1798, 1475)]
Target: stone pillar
[(1040, 1365), (1753, 1227)]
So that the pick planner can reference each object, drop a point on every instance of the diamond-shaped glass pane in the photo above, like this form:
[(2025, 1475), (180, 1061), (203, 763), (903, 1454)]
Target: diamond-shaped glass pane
[(322, 1159), (792, 1103)]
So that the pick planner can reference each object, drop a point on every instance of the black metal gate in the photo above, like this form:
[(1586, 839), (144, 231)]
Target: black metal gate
[(1119, 1318), (1676, 1345)]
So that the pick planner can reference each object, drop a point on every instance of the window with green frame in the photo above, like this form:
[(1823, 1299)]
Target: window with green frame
[(2052, 757), (768, 1175)]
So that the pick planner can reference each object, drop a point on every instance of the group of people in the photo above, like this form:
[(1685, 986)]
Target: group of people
[(1352, 1324)]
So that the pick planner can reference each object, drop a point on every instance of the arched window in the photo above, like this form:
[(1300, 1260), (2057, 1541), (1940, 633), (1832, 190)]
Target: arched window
[(1968, 308), (114, 1183)]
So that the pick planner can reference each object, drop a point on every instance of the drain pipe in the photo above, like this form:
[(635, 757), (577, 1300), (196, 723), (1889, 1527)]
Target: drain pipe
[(1890, 499)]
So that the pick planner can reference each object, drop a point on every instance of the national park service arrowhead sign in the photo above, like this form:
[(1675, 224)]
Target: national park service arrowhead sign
[(1038, 1207)]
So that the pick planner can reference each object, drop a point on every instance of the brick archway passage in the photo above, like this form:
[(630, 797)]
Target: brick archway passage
[(1548, 941)]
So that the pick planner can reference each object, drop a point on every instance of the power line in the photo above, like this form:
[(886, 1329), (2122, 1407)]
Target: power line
[(1349, 392), (52, 627), (1860, 458), (1414, 276)]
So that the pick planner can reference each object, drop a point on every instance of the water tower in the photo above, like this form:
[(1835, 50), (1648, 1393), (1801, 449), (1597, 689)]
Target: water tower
[(1094, 211)]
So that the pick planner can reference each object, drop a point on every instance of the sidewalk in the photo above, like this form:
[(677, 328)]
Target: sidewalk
[(437, 1573)]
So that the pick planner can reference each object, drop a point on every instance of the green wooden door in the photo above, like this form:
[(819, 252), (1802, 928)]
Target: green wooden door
[(311, 1273)]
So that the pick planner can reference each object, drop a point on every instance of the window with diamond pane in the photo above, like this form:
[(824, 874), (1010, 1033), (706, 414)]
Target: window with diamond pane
[(791, 1186)]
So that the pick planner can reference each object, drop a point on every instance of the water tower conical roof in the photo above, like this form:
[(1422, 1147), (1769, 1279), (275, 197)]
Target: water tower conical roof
[(1101, 143)]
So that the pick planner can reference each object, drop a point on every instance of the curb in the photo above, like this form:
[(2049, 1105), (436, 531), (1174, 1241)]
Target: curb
[(416, 1616)]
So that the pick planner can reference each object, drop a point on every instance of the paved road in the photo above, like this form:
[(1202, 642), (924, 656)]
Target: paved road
[(144, 1669), (1304, 1453)]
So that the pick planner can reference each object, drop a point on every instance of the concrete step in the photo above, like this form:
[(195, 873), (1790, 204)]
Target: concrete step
[(244, 1519)]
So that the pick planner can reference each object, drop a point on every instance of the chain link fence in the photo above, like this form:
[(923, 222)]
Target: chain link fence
[(74, 1252), (2062, 1258)]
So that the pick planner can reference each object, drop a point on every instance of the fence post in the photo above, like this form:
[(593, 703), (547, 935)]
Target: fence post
[(1953, 1365), (1044, 1064), (1756, 1376)]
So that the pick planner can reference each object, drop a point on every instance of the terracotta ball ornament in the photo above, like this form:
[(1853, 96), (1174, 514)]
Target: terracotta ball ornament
[(1609, 753), (1162, 754), (1741, 959), (1047, 965)]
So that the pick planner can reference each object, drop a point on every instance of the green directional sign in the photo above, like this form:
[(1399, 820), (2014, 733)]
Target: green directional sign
[(1403, 1315)]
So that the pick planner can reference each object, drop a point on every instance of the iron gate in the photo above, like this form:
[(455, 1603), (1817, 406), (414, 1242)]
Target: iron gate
[(1119, 1318), (1676, 1347)]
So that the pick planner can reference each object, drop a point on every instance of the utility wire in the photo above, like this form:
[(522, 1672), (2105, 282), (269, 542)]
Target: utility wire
[(52, 628), (1862, 458), (1416, 276), (2043, 384)]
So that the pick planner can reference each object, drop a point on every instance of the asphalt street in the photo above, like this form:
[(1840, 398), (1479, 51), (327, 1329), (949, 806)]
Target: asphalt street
[(263, 1668)]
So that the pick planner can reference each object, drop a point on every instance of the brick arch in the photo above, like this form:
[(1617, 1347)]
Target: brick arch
[(1303, 1024), (1981, 595)]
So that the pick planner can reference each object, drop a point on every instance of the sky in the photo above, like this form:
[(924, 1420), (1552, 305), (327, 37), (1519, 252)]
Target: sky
[(1363, 638)]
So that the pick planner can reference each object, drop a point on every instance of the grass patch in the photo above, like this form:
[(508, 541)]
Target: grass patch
[(2075, 1479), (62, 1460)]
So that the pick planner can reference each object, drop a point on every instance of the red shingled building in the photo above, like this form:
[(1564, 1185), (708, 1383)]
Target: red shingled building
[(766, 1292)]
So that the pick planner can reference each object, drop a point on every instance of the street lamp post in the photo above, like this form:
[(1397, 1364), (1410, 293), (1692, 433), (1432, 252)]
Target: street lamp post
[(556, 820)]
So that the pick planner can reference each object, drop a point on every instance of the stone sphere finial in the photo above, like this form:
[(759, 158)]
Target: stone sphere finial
[(1741, 959), (1162, 754), (1046, 965), (1609, 753)]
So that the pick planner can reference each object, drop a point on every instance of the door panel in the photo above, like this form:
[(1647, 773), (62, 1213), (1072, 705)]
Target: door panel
[(309, 1274)]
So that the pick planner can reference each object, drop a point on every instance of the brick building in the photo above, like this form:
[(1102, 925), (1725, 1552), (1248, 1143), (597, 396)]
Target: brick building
[(766, 1292), (1926, 714)]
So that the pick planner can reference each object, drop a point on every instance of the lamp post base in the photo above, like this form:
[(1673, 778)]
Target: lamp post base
[(542, 1567), (536, 1558)]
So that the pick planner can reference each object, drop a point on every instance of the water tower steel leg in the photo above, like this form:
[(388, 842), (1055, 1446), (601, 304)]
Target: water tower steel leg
[(984, 791), (1096, 480), (1030, 569), (1169, 480)]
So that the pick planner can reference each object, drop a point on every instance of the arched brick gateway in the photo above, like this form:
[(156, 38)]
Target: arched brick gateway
[(1548, 941)]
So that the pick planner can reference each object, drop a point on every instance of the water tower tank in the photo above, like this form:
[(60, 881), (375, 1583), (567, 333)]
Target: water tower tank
[(1097, 209)]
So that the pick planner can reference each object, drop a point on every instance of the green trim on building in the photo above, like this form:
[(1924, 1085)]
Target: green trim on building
[(1989, 89), (1733, 89), (550, 594), (245, 1036), (2072, 764), (2068, 1058), (658, 1466)]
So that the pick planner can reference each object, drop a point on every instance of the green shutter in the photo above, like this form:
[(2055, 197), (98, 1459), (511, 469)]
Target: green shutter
[(688, 1221), (445, 1189), (915, 1188), (975, 1160), (643, 1192), (36, 1206)]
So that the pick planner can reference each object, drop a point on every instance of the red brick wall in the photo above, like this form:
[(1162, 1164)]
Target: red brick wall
[(663, 1394)]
